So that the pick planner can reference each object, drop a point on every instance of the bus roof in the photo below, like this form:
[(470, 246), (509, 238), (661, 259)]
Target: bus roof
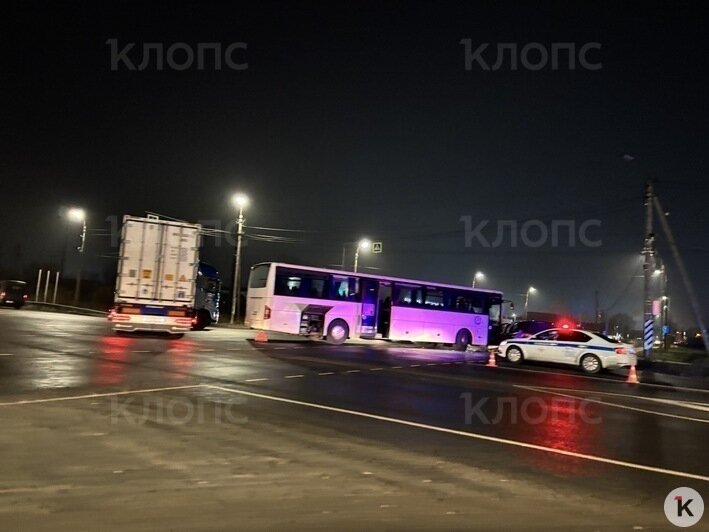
[(381, 277)]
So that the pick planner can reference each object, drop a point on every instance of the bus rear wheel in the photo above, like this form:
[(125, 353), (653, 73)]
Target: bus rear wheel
[(337, 332), (462, 340)]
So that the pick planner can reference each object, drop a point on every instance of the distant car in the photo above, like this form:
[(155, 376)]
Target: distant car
[(13, 293), (592, 352)]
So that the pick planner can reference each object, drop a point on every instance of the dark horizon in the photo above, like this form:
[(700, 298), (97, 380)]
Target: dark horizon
[(354, 121)]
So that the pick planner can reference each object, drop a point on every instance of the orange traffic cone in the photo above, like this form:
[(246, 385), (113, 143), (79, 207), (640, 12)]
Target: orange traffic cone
[(492, 361), (632, 376), (261, 337)]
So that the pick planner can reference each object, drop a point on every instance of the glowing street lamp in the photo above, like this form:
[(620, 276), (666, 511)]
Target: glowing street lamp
[(530, 290), (479, 276), (363, 245), (240, 201)]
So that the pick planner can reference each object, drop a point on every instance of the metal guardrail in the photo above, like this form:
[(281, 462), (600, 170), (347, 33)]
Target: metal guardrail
[(68, 308)]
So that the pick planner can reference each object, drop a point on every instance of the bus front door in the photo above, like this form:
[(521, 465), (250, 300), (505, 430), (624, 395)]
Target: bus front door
[(370, 299)]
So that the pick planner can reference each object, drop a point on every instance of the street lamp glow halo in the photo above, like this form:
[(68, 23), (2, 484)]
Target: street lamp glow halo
[(364, 244), (240, 200), (76, 214), (479, 275), (531, 290)]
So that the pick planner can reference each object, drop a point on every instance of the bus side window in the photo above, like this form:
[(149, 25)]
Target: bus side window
[(317, 287), (344, 288), (408, 296), (288, 283)]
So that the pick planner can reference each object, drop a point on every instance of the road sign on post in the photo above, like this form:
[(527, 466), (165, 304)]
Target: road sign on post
[(377, 247)]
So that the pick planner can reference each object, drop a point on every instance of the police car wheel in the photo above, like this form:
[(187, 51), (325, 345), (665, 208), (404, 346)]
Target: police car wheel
[(514, 355), (591, 364)]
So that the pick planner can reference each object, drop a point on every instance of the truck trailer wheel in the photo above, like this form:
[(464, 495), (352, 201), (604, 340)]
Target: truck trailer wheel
[(203, 320)]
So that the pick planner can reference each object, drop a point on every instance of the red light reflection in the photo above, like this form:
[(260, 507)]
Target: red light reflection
[(566, 424), (112, 369)]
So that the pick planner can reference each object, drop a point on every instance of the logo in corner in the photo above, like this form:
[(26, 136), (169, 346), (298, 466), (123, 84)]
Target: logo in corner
[(684, 507)]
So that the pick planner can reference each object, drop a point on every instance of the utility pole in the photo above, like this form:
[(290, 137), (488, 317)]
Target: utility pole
[(80, 249), (648, 254), (240, 201)]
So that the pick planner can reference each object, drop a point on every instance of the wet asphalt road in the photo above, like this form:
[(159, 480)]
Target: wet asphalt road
[(213, 431)]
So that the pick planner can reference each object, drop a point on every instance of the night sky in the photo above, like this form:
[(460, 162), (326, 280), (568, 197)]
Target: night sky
[(360, 119)]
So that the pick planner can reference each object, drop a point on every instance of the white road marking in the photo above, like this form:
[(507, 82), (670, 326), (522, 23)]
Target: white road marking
[(352, 371), (94, 395), (326, 373), (415, 366), (396, 367), (693, 405), (7, 354), (432, 364), (141, 351), (376, 369), (255, 380), (234, 349), (294, 376), (582, 376), (614, 405), (207, 350), (472, 435)]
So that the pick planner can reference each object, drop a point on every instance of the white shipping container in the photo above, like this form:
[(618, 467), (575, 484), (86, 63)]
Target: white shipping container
[(158, 262)]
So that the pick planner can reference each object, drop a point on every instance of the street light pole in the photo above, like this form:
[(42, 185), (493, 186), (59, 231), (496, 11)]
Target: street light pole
[(664, 305), (364, 245), (648, 256), (79, 215), (356, 260), (530, 290), (241, 201), (478, 276)]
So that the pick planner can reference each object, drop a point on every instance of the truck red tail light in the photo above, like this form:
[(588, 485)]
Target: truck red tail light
[(266, 312)]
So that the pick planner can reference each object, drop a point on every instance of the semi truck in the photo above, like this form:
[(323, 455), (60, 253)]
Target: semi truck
[(156, 282)]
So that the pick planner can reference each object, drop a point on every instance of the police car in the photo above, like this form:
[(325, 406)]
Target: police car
[(590, 351)]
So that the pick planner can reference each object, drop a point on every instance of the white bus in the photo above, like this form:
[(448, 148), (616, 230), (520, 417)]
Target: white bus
[(337, 305)]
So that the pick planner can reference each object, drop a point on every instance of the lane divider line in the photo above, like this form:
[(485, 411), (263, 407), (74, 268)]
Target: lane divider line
[(589, 377), (471, 435), (614, 405), (95, 395), (693, 405)]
